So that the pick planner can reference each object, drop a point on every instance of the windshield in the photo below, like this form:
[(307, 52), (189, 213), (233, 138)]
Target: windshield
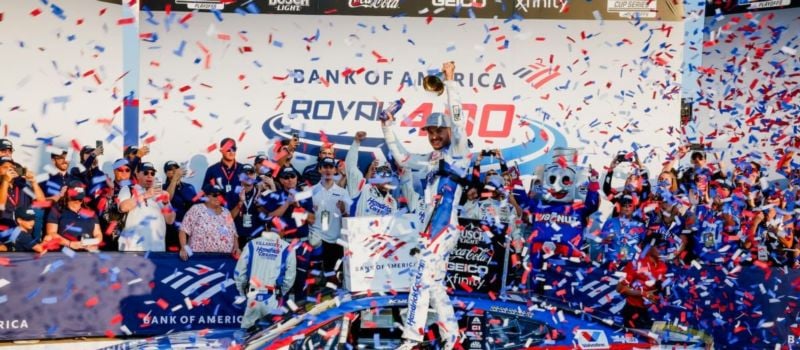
[(263, 337)]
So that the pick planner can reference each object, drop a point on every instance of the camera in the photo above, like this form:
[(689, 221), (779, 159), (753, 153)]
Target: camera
[(621, 157), (21, 171), (487, 152)]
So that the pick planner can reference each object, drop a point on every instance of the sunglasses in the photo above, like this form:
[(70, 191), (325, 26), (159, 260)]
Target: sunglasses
[(232, 149), (288, 177), (123, 170), (150, 173)]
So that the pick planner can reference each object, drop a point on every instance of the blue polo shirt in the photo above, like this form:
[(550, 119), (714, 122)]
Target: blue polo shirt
[(228, 179), (72, 225), (182, 200), (54, 183), (275, 200)]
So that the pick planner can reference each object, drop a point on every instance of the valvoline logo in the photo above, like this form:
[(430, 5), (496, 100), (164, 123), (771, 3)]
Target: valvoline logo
[(523, 142)]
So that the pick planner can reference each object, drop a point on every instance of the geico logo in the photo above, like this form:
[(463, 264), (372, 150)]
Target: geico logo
[(462, 3), (500, 116), (289, 2), (468, 268)]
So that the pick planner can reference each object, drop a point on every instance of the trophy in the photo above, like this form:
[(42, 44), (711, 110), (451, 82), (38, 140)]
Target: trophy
[(432, 83)]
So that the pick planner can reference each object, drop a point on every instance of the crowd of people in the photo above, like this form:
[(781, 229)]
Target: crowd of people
[(707, 213)]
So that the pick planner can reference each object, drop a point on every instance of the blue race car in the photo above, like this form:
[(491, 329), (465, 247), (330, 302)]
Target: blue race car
[(374, 322)]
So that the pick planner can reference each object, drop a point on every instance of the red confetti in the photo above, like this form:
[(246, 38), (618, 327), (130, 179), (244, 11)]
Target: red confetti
[(125, 21), (92, 302), (163, 304), (116, 319), (36, 12)]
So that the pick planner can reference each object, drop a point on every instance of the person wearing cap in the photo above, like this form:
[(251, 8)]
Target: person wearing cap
[(311, 172), (26, 241), (496, 208), (284, 154), (372, 196), (642, 283), (248, 215), (208, 226), (771, 233), (134, 155), (331, 204), (673, 220), (112, 220), (621, 234), (73, 224), (262, 164), (225, 173), (148, 212), (718, 227), (6, 148), (16, 191), (290, 211), (90, 174), (182, 196), (444, 169)]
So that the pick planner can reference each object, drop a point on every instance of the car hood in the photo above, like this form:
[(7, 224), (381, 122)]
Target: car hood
[(201, 339)]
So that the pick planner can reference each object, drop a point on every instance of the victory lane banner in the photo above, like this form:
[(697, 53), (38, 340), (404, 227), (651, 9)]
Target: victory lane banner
[(114, 294)]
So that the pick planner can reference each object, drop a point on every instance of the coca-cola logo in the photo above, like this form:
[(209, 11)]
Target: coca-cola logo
[(479, 255), (375, 4)]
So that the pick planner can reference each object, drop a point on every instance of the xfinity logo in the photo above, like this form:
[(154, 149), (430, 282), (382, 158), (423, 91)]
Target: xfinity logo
[(524, 5), (375, 4), (460, 3), (289, 5)]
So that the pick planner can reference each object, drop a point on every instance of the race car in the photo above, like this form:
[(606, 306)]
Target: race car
[(364, 321)]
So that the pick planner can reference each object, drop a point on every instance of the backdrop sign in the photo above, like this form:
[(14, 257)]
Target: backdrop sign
[(379, 258), (476, 264), (108, 294)]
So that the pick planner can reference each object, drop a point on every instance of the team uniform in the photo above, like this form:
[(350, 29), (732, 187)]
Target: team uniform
[(438, 214), (265, 268)]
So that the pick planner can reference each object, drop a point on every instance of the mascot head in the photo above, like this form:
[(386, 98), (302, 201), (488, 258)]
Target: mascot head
[(560, 179)]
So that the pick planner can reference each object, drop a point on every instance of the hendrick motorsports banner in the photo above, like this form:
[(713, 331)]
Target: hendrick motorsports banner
[(114, 294)]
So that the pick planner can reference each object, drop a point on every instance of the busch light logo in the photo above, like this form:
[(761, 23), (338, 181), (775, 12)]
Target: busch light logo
[(523, 142), (289, 5)]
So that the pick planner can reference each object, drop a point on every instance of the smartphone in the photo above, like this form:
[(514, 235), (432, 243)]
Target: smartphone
[(487, 152), (21, 171), (98, 145)]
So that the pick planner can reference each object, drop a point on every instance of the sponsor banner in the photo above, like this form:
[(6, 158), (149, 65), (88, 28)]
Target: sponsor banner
[(714, 8), (475, 332), (476, 264), (379, 258), (506, 9), (85, 295), (549, 86)]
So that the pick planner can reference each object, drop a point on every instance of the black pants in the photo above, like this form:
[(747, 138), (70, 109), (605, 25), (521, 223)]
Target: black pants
[(331, 253), (636, 317)]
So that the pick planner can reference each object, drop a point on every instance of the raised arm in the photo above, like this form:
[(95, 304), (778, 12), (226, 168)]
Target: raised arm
[(354, 176), (459, 145)]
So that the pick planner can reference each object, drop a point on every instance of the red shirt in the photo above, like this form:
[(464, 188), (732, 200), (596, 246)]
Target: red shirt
[(642, 275)]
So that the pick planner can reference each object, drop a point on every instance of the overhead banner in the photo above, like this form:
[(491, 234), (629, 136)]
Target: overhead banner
[(511, 9), (526, 86), (115, 294)]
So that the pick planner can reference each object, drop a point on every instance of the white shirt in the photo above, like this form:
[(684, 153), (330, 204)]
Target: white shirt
[(145, 227), (325, 200)]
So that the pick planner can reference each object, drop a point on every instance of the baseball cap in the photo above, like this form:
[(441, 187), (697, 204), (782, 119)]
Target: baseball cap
[(212, 190), (287, 172), (146, 166), (496, 181), (119, 163), (130, 150), (6, 144), (247, 168), (4, 160), (75, 190), (437, 120), (259, 159), (227, 143), (26, 214), (170, 164), (56, 152), (87, 150), (327, 161)]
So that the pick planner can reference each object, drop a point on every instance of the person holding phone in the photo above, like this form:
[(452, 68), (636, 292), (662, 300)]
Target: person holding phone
[(16, 184), (149, 212), (181, 196)]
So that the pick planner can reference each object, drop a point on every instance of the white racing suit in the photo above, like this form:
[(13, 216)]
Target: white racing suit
[(267, 265), (437, 212), (367, 199)]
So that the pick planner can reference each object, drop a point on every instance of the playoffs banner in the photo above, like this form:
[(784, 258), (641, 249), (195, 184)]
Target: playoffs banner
[(476, 264), (113, 294), (378, 252)]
